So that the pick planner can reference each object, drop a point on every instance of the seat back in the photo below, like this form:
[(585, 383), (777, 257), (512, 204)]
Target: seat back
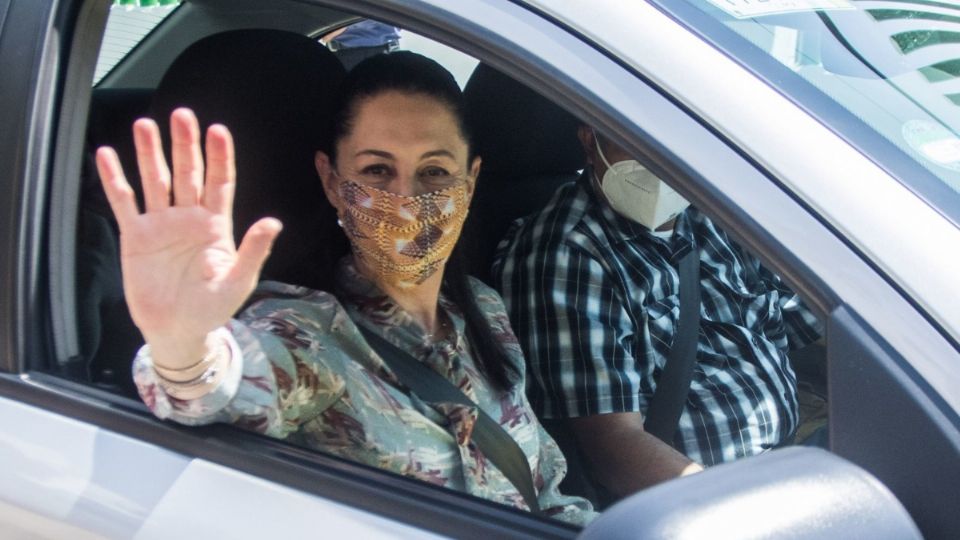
[(272, 89), (100, 302), (112, 113), (529, 148)]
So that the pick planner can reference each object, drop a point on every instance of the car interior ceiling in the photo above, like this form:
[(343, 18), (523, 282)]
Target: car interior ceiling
[(261, 83)]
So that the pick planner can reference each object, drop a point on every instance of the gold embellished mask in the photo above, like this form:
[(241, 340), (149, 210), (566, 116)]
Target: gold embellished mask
[(406, 239)]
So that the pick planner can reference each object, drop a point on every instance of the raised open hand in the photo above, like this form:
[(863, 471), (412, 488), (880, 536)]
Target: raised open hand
[(182, 273)]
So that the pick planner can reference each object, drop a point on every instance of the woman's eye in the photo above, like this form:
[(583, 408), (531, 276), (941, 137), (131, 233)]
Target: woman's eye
[(376, 170), (435, 173)]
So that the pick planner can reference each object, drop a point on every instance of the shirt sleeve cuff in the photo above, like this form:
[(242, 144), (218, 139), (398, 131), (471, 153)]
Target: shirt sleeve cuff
[(200, 410)]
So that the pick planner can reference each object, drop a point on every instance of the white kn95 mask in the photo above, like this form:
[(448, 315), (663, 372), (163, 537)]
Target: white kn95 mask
[(637, 194)]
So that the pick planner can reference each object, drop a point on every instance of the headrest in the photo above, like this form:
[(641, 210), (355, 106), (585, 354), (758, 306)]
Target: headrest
[(115, 109), (273, 90), (518, 132)]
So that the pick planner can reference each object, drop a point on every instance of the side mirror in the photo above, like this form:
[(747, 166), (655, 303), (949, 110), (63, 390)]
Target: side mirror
[(796, 493)]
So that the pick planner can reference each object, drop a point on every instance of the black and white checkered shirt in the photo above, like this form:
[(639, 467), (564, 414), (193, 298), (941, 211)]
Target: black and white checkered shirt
[(593, 298)]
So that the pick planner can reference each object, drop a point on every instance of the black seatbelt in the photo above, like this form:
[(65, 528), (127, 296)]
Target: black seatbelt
[(489, 436), (663, 415)]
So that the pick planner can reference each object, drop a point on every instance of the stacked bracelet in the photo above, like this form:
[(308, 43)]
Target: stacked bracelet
[(196, 379), (194, 388), (189, 373)]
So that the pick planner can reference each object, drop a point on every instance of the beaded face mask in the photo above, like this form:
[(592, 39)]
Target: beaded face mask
[(406, 239)]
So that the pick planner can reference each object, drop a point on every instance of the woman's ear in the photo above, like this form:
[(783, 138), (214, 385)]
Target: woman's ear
[(474, 173), (325, 171)]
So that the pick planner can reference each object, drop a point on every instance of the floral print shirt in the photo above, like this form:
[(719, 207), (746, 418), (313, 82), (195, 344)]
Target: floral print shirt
[(306, 373)]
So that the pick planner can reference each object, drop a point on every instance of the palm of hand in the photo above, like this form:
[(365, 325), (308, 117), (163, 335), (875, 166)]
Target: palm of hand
[(177, 268)]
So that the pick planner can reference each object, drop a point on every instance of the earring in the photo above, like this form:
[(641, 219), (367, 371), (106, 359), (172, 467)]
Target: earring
[(340, 223)]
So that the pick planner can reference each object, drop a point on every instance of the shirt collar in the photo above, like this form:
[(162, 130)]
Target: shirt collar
[(362, 297)]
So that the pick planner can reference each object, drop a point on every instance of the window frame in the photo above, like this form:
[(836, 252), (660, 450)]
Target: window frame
[(507, 49), (28, 115)]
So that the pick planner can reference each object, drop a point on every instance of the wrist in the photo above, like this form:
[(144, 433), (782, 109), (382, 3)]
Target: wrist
[(179, 353), (216, 350), (196, 379)]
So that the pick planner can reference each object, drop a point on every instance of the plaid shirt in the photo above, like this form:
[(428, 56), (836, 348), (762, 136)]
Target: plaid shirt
[(593, 299)]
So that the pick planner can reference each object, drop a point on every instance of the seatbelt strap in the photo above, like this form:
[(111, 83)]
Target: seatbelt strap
[(496, 444), (666, 406)]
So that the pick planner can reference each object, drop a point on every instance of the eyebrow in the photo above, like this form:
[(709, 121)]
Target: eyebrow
[(438, 153), (378, 153), (388, 155)]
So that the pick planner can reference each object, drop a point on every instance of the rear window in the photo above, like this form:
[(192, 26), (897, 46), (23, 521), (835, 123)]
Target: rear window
[(129, 23)]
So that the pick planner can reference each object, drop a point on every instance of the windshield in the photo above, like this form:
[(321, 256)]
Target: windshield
[(892, 65)]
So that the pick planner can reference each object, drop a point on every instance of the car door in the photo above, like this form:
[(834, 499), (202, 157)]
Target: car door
[(206, 477)]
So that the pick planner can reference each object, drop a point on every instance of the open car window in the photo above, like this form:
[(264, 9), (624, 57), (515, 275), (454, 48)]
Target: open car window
[(107, 336), (526, 144)]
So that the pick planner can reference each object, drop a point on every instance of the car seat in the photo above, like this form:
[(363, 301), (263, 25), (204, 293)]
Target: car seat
[(529, 148), (272, 89), (99, 292)]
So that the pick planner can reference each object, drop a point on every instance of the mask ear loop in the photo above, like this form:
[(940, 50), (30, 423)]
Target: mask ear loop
[(596, 141), (596, 179)]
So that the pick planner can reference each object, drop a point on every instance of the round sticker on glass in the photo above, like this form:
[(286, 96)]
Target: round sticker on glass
[(934, 142)]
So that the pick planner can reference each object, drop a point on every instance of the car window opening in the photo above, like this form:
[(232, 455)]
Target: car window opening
[(530, 150)]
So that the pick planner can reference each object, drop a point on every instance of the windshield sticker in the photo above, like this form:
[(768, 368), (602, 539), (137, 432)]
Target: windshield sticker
[(934, 142), (743, 9)]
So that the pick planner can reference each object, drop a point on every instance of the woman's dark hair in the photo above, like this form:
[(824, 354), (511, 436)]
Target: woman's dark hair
[(415, 74), (402, 71)]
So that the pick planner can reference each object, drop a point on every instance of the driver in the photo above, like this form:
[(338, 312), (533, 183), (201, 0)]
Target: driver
[(591, 286)]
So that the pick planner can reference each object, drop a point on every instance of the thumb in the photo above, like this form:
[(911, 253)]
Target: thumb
[(254, 249)]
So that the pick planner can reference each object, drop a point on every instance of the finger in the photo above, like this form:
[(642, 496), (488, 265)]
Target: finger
[(221, 171), (119, 194), (254, 250), (154, 173), (187, 158)]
